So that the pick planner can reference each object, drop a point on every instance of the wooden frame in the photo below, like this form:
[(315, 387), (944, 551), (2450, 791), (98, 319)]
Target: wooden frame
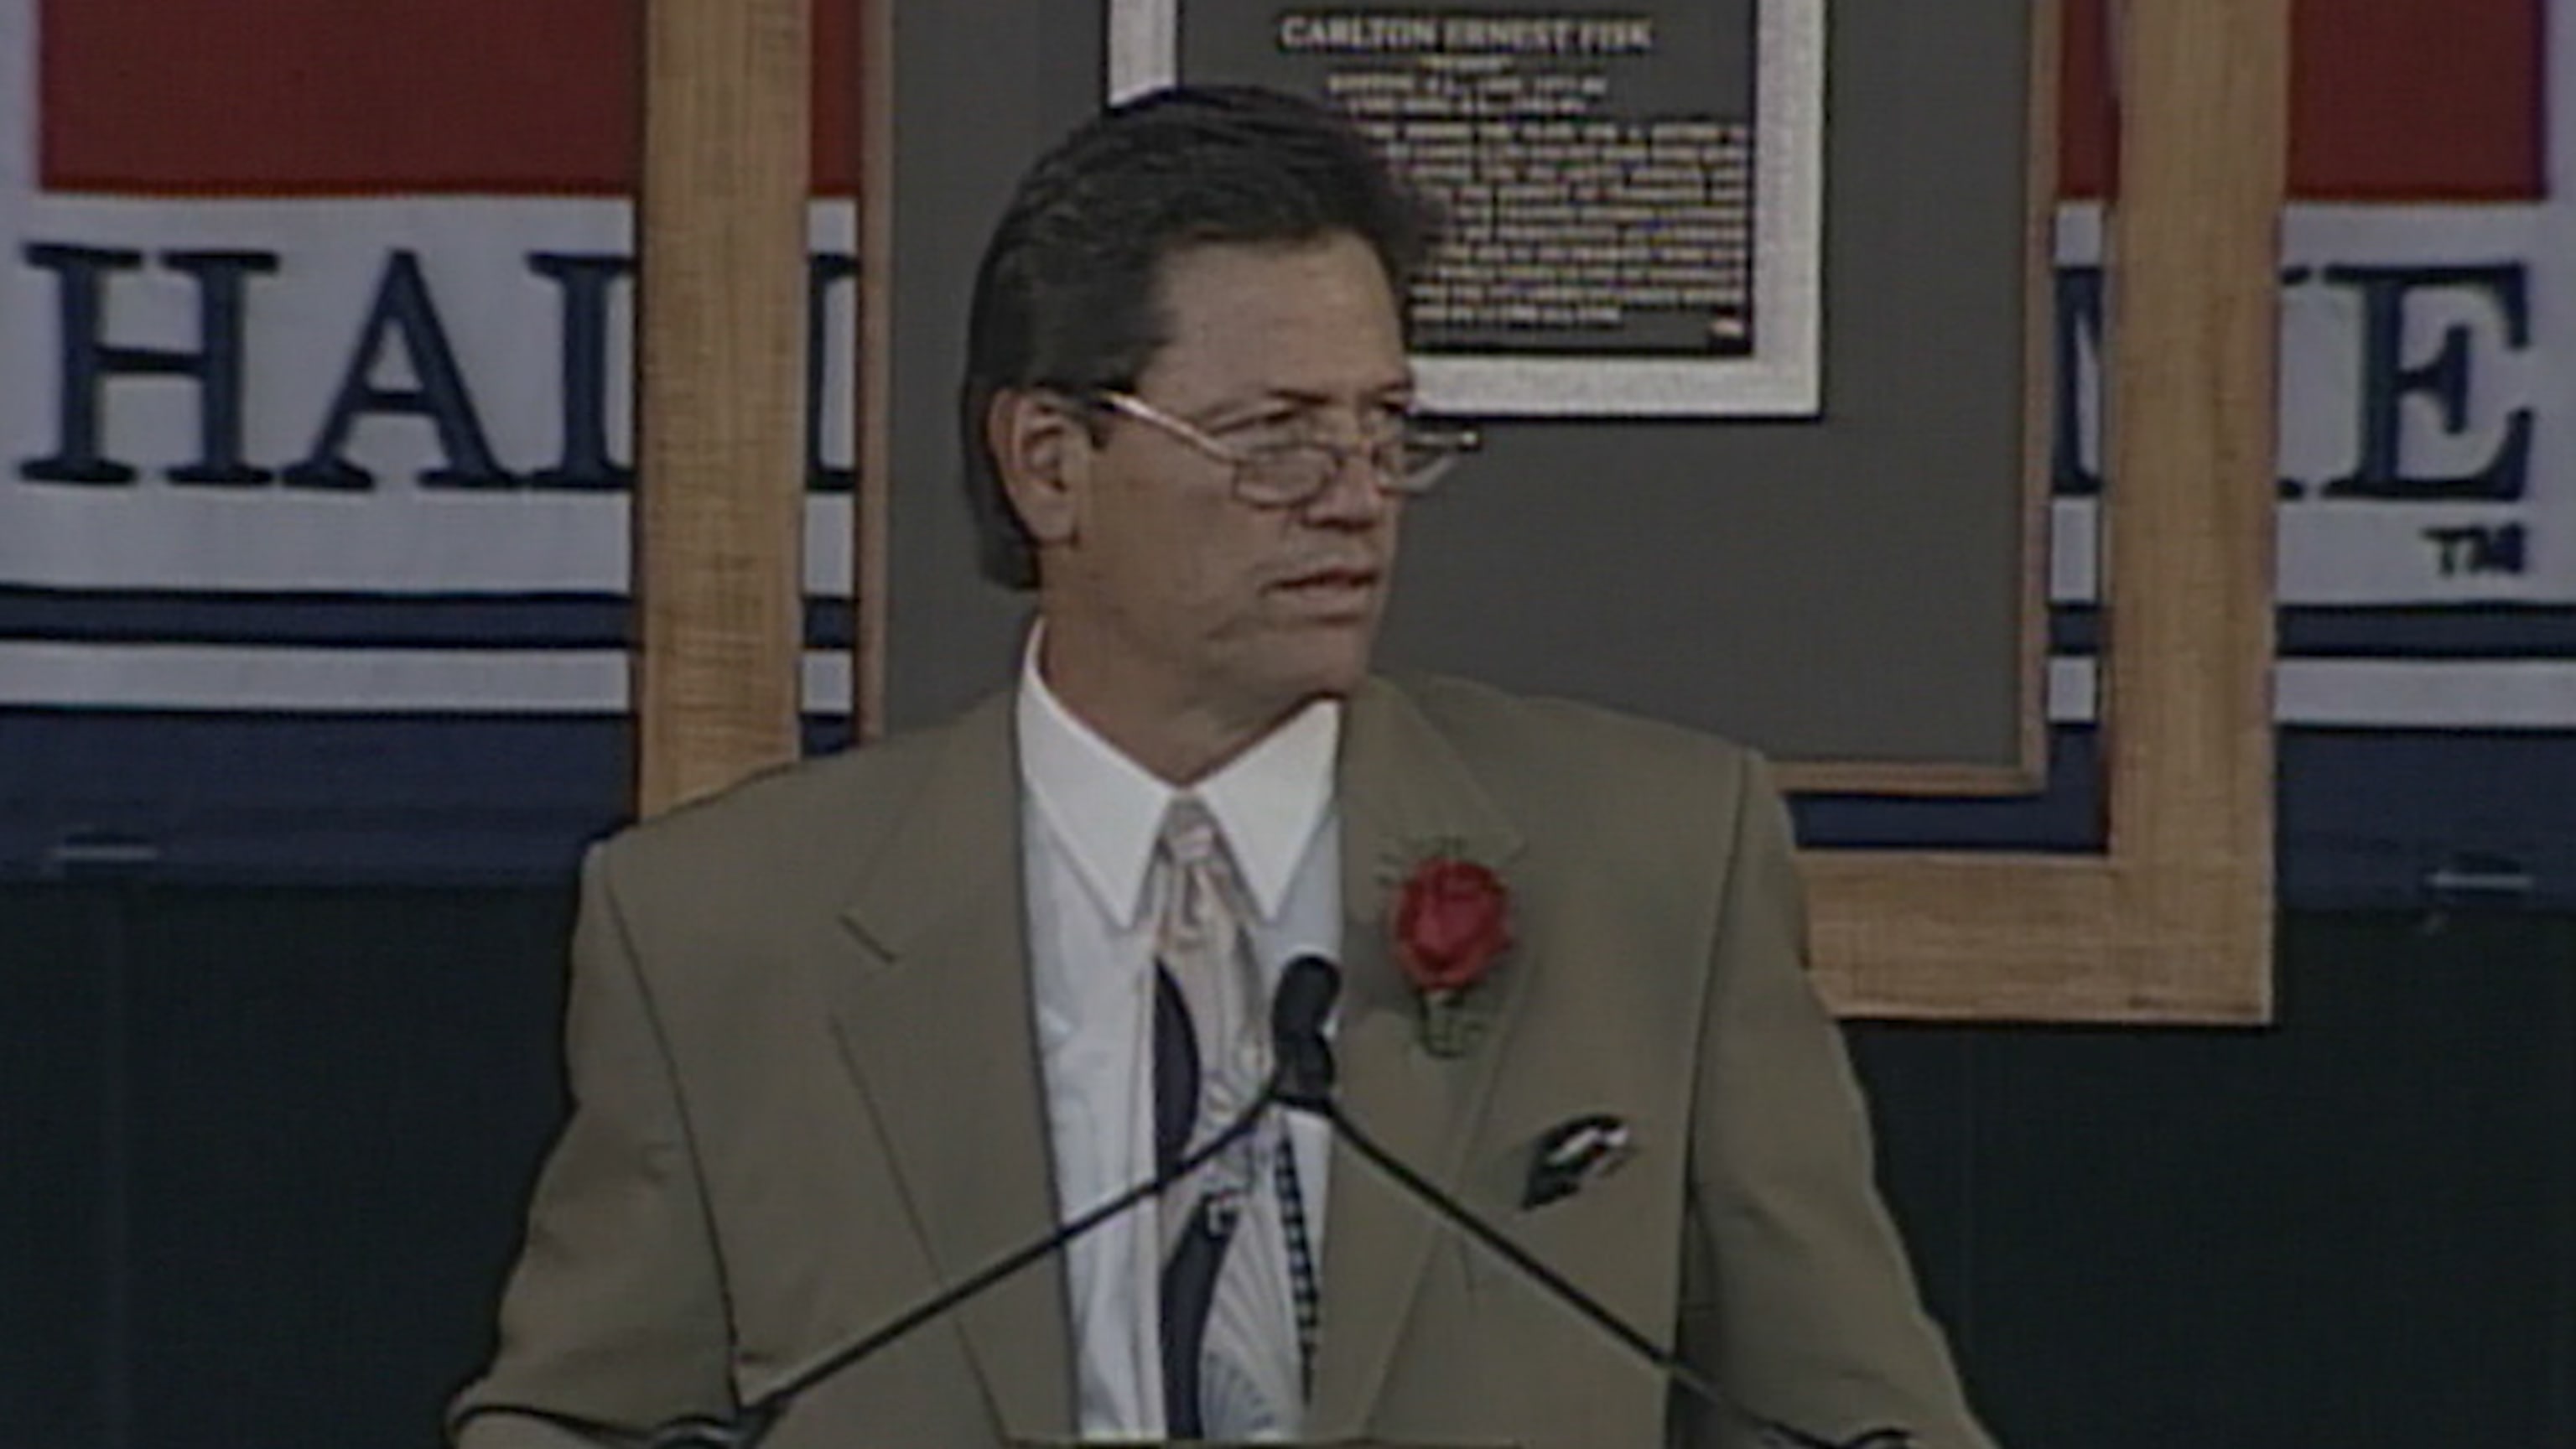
[(2172, 921), (876, 365), (720, 392), (720, 354)]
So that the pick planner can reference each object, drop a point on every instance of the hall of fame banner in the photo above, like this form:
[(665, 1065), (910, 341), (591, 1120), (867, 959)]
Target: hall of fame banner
[(316, 430), (2427, 463), (297, 307), (315, 415)]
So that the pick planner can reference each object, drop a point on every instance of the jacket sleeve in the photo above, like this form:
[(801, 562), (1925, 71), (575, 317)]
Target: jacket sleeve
[(1797, 1296), (614, 1315)]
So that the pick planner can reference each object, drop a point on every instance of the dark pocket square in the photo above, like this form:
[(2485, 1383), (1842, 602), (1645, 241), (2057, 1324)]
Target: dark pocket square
[(1571, 1154)]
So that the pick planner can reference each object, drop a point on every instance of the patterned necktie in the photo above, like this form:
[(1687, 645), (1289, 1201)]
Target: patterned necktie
[(1238, 1306)]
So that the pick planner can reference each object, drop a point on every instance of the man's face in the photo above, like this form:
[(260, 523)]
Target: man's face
[(1171, 590)]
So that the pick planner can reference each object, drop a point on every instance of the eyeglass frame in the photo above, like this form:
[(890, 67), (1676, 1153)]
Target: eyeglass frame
[(1454, 441)]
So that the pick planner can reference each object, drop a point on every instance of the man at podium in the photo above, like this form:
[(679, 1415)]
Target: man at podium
[(850, 1034)]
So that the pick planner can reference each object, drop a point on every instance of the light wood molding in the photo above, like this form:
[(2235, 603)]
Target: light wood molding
[(876, 364), (720, 392), (2172, 921)]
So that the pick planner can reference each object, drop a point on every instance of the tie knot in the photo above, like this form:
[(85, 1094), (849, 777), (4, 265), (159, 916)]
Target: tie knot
[(1190, 833)]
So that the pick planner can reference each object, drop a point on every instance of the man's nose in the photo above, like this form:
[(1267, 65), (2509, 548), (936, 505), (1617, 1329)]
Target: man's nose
[(1358, 493)]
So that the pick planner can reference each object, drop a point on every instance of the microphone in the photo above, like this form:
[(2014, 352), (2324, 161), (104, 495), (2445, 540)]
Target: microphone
[(1298, 1051), (1304, 1083)]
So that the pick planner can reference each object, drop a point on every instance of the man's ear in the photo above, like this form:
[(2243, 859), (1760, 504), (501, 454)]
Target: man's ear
[(1043, 451)]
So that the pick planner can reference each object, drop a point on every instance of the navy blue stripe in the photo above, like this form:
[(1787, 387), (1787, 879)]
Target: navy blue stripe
[(2463, 631), (351, 620), (314, 799), (603, 621), (2369, 819), (2066, 815), (818, 731)]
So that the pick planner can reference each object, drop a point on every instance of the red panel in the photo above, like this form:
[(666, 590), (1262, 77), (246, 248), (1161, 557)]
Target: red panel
[(303, 97), (2087, 123), (2391, 100), (837, 113)]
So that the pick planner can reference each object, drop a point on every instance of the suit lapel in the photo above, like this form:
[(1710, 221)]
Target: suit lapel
[(1403, 794), (938, 1031)]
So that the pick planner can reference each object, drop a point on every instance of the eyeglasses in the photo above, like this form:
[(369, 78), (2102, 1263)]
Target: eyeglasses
[(1409, 456)]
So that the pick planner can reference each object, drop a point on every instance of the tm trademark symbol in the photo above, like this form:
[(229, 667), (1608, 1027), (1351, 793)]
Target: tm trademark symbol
[(2478, 548)]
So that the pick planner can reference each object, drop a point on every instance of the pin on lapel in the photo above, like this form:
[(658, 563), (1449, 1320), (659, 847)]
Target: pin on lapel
[(1572, 1154)]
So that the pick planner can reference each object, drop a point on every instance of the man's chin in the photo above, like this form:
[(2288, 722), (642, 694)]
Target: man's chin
[(1324, 674)]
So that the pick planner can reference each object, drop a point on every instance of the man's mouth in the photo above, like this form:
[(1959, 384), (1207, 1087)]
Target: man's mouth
[(1332, 581), (1325, 580), (1332, 590)]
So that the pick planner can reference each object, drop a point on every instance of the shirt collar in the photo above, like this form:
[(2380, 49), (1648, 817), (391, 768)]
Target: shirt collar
[(1107, 809)]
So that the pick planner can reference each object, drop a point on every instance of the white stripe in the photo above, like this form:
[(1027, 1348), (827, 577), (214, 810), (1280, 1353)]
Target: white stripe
[(2071, 697), (2394, 694), (193, 676), (2346, 553), (2429, 694), (370, 681), (1144, 46), (83, 538), (827, 681)]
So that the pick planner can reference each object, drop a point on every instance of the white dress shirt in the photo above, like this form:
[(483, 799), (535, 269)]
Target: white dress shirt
[(1089, 820)]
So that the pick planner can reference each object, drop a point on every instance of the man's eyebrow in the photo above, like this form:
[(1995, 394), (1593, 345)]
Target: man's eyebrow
[(1394, 388), (1238, 411)]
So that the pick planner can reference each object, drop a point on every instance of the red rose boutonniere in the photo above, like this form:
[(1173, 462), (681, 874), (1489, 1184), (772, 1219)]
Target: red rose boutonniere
[(1452, 921)]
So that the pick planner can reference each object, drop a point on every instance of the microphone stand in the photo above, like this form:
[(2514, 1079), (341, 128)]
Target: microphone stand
[(745, 1429), (1297, 1023)]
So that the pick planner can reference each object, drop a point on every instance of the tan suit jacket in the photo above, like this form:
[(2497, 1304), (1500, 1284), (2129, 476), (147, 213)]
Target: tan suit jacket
[(807, 1095)]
